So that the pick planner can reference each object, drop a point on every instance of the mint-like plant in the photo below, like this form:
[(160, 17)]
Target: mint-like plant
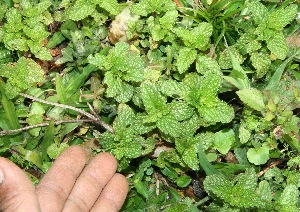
[(26, 28)]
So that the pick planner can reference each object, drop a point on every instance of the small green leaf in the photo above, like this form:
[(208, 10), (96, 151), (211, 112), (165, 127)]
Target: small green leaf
[(224, 140), (169, 126), (252, 97), (54, 150), (22, 75), (186, 56), (281, 17), (258, 156), (183, 181), (258, 10), (278, 46), (80, 10)]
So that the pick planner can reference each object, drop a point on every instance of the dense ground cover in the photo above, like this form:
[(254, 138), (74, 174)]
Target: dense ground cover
[(198, 100)]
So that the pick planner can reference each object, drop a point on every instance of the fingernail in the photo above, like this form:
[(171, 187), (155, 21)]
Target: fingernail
[(1, 177)]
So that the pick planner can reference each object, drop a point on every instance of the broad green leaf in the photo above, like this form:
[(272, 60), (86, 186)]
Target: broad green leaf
[(183, 181), (22, 75), (100, 61), (168, 125), (258, 156), (80, 10), (37, 33), (110, 6), (261, 62), (258, 10), (224, 140), (190, 158), (278, 46), (39, 51), (252, 97), (289, 198), (225, 60), (180, 110), (206, 64), (198, 37), (14, 20), (122, 91), (54, 150), (281, 17), (125, 117), (145, 7), (35, 117), (221, 112), (31, 156), (242, 189), (168, 19), (153, 100), (244, 133), (186, 56)]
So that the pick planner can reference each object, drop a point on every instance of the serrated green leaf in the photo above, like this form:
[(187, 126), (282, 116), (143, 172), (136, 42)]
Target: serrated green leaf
[(252, 97), (258, 10), (281, 17), (145, 7), (168, 125), (278, 46), (289, 196), (225, 61), (39, 51), (206, 64), (110, 6), (14, 20), (153, 100), (125, 117), (244, 133), (23, 75), (180, 110), (37, 33), (186, 56), (258, 156), (190, 158), (80, 10), (242, 189), (122, 91), (168, 19), (197, 37), (261, 62), (224, 140)]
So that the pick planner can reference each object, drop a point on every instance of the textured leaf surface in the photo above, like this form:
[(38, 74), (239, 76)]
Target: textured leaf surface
[(198, 37), (80, 10), (23, 75), (186, 56), (277, 45), (224, 140), (252, 97), (241, 190), (258, 10), (258, 156), (282, 16)]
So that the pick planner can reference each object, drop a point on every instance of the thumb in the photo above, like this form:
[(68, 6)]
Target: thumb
[(17, 192)]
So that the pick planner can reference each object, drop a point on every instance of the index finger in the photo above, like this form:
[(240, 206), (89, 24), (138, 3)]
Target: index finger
[(58, 182)]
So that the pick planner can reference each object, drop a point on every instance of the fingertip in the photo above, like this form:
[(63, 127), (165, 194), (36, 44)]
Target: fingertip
[(113, 195), (17, 192)]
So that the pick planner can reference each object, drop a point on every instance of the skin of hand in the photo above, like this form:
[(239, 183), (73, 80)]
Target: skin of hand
[(69, 185)]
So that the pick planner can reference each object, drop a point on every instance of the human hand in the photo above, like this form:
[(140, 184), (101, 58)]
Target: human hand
[(68, 185)]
